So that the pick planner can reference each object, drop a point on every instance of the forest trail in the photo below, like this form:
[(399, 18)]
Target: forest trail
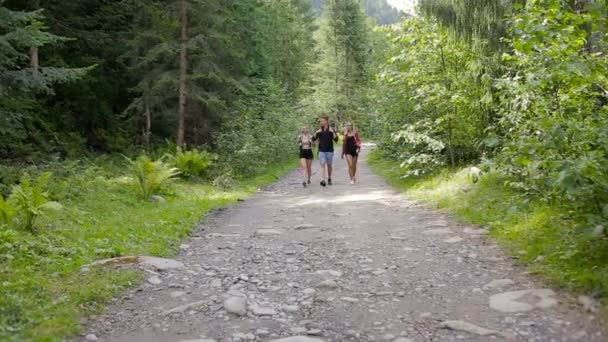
[(342, 263)]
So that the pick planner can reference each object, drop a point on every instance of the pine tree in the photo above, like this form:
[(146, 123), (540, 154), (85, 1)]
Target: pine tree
[(342, 71), (22, 78)]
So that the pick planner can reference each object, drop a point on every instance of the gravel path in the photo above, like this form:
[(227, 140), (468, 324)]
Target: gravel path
[(342, 263)]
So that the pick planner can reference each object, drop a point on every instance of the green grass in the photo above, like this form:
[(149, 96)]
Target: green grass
[(43, 294), (542, 235)]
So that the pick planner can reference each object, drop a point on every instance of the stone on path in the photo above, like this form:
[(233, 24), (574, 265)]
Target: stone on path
[(298, 339), (469, 327), (328, 284), (154, 280), (402, 339), (498, 283), (183, 308), (267, 232), (304, 226), (159, 264), (393, 237), (332, 273), (91, 338), (176, 294), (439, 231), (262, 311), (236, 305), (515, 301), (454, 239), (588, 303), (290, 308), (219, 235), (349, 299)]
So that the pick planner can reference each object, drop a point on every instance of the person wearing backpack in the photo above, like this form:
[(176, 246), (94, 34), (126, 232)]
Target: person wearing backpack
[(326, 136), (351, 146)]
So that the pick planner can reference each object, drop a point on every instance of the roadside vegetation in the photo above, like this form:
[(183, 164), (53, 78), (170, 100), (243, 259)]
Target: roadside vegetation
[(547, 237)]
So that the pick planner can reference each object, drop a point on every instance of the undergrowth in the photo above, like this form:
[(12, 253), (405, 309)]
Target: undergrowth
[(43, 294)]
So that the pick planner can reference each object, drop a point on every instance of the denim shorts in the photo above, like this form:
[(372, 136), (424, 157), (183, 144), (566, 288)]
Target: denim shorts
[(326, 158)]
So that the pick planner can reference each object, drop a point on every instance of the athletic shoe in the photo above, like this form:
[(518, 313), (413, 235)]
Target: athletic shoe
[(323, 183), (329, 182), (352, 182), (304, 184), (309, 181)]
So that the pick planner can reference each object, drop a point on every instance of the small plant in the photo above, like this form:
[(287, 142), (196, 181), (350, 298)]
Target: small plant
[(7, 212), (30, 200), (151, 175), (225, 181), (192, 163)]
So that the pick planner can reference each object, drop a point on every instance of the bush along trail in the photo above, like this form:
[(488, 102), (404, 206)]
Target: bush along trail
[(341, 263)]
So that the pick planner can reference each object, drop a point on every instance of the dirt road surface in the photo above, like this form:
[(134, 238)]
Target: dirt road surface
[(342, 263)]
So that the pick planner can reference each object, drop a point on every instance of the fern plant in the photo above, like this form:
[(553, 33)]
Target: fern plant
[(29, 200), (7, 212), (192, 163), (150, 175)]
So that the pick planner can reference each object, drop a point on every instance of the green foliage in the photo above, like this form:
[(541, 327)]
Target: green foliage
[(261, 133), (44, 294), (544, 235), (150, 175), (29, 200), (191, 163), (7, 212), (380, 10), (341, 74)]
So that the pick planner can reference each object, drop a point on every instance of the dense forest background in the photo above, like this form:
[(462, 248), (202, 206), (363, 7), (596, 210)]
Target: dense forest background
[(106, 75), (110, 107)]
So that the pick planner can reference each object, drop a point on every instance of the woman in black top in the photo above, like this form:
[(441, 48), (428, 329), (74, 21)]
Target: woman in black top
[(305, 142), (350, 148)]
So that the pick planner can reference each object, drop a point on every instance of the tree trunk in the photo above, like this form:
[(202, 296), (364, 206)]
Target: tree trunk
[(183, 73), (148, 124), (34, 57), (34, 61)]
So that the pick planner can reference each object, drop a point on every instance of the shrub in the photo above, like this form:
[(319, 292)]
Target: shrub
[(7, 212), (30, 200), (150, 175), (192, 163), (225, 181)]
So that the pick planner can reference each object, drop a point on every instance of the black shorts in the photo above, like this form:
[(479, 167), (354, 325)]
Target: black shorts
[(306, 154), (353, 153)]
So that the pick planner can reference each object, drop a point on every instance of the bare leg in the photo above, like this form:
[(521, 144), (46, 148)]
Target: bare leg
[(309, 169), (354, 166), (324, 168), (349, 161), (329, 170), (304, 167)]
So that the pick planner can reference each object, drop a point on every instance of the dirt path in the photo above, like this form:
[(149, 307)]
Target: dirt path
[(342, 263)]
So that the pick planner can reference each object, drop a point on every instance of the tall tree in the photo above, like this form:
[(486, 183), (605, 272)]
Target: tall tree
[(183, 72), (342, 72), (23, 81)]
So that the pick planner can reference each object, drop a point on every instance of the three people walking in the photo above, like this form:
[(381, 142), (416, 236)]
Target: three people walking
[(326, 137)]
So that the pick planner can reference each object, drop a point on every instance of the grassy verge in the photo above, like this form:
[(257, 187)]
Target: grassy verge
[(43, 294), (543, 235)]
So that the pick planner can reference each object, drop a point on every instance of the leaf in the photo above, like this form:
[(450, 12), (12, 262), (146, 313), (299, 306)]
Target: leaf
[(52, 205)]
